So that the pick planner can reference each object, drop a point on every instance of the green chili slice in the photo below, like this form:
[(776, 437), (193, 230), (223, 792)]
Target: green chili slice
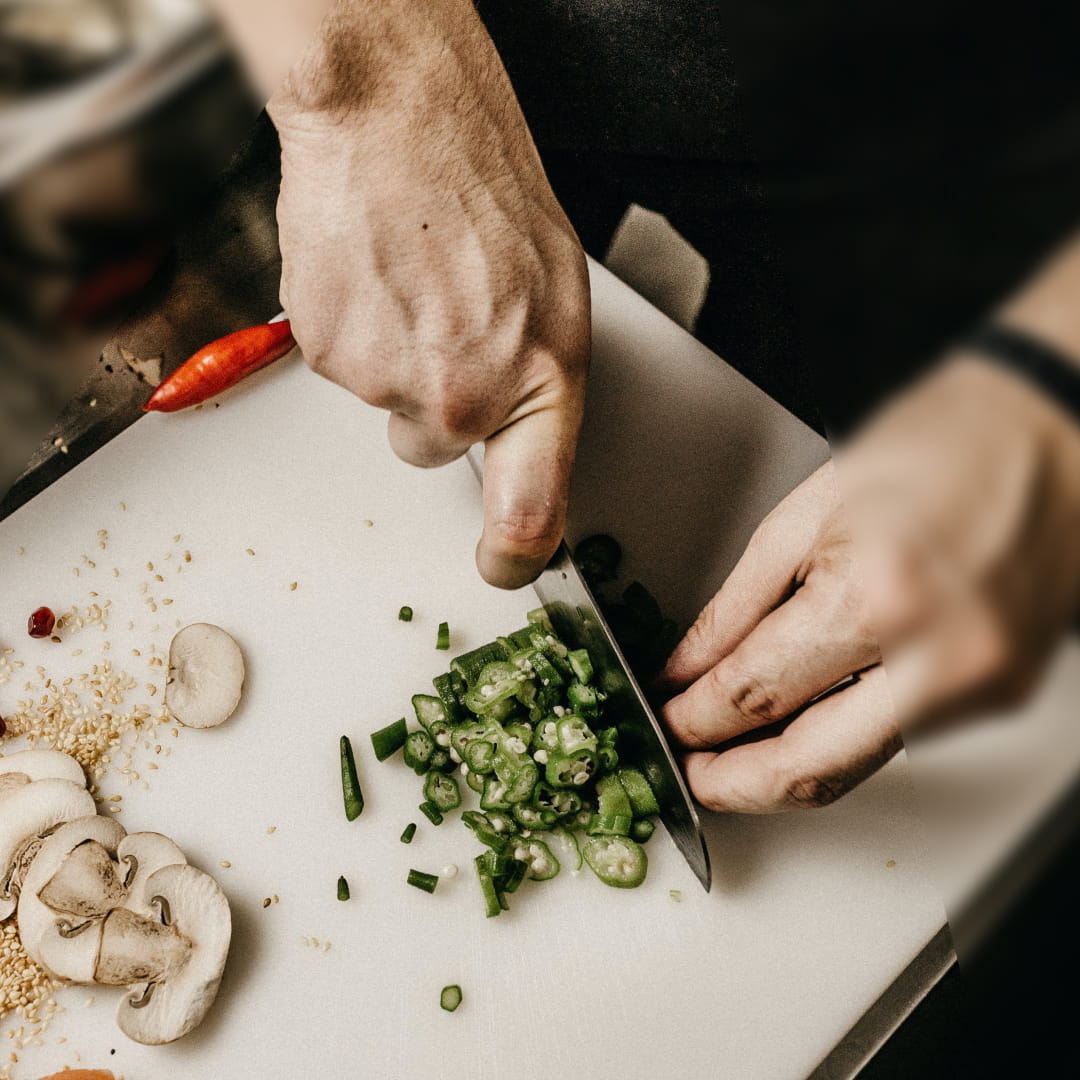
[(442, 638), (408, 833), (450, 997)]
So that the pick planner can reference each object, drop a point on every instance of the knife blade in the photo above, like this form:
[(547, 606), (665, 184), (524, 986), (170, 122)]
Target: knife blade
[(578, 621)]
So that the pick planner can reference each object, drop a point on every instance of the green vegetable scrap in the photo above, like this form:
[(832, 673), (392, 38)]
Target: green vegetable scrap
[(522, 721), (350, 783), (405, 614), (390, 739), (450, 998), (422, 880), (342, 889), (442, 637)]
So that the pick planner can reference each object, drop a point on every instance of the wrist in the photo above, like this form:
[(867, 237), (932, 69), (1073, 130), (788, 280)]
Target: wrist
[(368, 53), (1048, 308)]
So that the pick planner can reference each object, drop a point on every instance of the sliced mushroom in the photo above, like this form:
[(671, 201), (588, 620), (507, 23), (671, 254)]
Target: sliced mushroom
[(137, 949), (87, 884), (206, 676), (65, 946), (141, 855), (176, 1001), (40, 765), (29, 811)]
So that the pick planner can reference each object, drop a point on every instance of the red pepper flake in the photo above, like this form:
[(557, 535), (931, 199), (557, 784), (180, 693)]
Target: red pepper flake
[(41, 623)]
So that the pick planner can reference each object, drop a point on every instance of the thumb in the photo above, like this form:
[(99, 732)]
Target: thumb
[(527, 467)]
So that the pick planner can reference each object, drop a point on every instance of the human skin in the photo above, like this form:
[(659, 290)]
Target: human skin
[(428, 269), (427, 266), (942, 538)]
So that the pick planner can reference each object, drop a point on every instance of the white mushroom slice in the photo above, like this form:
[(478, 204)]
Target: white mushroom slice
[(65, 946), (13, 779), (40, 765), (72, 954), (86, 885), (137, 949), (140, 855), (170, 1006), (206, 676), (28, 811)]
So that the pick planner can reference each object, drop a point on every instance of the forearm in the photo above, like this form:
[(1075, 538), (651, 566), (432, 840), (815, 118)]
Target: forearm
[(367, 53)]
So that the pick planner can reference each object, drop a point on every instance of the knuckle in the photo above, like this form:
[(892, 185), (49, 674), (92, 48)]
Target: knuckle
[(527, 528), (747, 694), (808, 791)]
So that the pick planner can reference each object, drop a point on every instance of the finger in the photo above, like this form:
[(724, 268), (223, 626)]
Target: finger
[(421, 444), (806, 646), (761, 580), (830, 748), (527, 468)]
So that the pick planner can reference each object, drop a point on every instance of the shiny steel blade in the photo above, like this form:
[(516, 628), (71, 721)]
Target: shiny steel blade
[(577, 620)]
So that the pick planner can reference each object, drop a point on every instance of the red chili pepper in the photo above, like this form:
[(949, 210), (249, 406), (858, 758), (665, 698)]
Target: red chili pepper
[(41, 623), (221, 364)]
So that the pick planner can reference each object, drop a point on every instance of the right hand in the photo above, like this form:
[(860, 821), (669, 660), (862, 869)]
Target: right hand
[(427, 266)]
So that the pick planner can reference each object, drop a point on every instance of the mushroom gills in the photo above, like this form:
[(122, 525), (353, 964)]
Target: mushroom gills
[(141, 855), (28, 811), (86, 884), (138, 949), (59, 942), (199, 911)]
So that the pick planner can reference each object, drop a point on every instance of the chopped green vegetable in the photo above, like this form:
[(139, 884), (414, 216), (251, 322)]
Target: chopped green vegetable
[(675, 894), (390, 739), (450, 998), (405, 613), (408, 833), (617, 861), (442, 791), (418, 748), (342, 889), (350, 783), (421, 880), (524, 720), (442, 638)]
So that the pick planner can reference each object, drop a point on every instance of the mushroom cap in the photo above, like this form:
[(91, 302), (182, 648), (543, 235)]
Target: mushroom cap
[(177, 1002), (41, 765), (31, 810), (71, 958), (145, 853), (206, 676)]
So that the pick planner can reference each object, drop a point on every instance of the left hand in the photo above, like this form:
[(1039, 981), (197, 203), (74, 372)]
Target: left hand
[(788, 625), (961, 500)]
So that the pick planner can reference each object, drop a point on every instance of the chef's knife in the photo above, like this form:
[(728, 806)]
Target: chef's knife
[(578, 621)]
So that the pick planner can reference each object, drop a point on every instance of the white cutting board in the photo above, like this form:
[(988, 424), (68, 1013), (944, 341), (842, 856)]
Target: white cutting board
[(811, 915)]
